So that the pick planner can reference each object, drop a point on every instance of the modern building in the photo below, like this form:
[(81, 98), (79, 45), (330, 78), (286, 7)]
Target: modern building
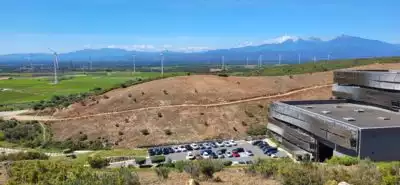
[(363, 120)]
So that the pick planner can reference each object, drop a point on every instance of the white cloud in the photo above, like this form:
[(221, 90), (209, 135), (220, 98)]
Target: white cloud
[(192, 49)]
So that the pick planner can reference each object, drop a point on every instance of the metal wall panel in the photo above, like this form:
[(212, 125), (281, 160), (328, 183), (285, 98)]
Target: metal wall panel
[(389, 80), (286, 129), (385, 99), (324, 127)]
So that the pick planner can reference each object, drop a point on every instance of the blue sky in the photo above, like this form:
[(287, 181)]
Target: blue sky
[(67, 25)]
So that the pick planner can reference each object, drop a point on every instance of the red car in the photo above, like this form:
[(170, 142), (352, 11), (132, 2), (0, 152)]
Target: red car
[(235, 154)]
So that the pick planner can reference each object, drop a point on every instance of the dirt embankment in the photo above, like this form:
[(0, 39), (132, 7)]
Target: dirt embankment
[(187, 123)]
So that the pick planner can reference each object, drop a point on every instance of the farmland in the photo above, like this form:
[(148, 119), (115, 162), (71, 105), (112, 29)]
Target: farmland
[(31, 89)]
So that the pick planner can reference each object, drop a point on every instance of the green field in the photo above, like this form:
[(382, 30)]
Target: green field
[(25, 89)]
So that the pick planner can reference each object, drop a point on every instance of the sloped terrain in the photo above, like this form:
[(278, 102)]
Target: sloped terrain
[(186, 123)]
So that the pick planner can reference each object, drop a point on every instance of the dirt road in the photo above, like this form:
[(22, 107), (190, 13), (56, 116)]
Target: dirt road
[(9, 115)]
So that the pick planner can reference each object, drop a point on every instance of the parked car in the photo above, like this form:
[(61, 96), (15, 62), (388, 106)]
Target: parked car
[(176, 149), (256, 142), (214, 155), (158, 151), (274, 156), (151, 152), (228, 154), (220, 143), (249, 153), (223, 150), (235, 154), (220, 154), (190, 156), (201, 146), (188, 148), (213, 145), (233, 143), (182, 148), (271, 150), (165, 151), (207, 145), (205, 155), (194, 146), (238, 150), (170, 150), (227, 144)]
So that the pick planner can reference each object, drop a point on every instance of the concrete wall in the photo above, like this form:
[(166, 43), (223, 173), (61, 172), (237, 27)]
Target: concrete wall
[(381, 144)]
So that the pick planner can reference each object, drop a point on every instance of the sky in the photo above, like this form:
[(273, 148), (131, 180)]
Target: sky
[(186, 25)]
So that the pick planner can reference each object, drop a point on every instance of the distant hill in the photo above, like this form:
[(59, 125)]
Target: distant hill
[(289, 48)]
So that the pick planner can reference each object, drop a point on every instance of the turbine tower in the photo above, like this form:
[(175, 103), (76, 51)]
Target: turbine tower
[(134, 63), (223, 62), (91, 63), (329, 56), (315, 59), (55, 63), (162, 61), (260, 60), (247, 61), (280, 58), (299, 55), (30, 61)]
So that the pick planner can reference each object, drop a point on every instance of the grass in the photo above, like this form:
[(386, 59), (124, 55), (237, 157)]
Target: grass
[(25, 89)]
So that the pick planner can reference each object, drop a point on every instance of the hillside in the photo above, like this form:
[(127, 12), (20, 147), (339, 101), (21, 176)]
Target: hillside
[(187, 123)]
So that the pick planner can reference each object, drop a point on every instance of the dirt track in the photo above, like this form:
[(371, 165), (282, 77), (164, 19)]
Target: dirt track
[(47, 118)]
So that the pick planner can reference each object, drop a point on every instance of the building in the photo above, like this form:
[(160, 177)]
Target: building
[(363, 120)]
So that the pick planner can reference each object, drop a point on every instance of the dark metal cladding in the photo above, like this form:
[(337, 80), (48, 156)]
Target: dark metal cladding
[(324, 127), (283, 128), (387, 80), (389, 100)]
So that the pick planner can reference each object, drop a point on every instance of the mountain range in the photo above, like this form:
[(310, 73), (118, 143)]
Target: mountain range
[(288, 48)]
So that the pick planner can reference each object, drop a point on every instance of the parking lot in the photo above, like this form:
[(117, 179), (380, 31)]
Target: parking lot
[(246, 145)]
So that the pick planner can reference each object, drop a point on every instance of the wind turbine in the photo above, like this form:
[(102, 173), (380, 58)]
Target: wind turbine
[(223, 62), (162, 61), (260, 60), (280, 58), (91, 63), (315, 59), (30, 61), (134, 63), (299, 55), (55, 63)]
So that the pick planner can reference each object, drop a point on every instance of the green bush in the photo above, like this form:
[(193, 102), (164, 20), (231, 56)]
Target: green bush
[(157, 159), (23, 156), (162, 172), (257, 130), (65, 173), (345, 160), (209, 167), (140, 160), (193, 169), (223, 75), (97, 162), (227, 163), (2, 136)]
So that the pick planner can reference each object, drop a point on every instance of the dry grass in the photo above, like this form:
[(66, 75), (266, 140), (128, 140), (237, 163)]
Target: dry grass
[(188, 123), (228, 177)]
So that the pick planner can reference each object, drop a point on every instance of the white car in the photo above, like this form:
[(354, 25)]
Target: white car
[(227, 143), (274, 156), (206, 155), (220, 143), (233, 143), (249, 153), (195, 146), (176, 149), (190, 156), (228, 154), (207, 145), (183, 148)]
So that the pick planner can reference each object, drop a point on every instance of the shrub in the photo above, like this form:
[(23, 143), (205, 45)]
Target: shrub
[(24, 156), (145, 132), (120, 133), (223, 75), (249, 114), (346, 160), (97, 162), (130, 95), (160, 115), (165, 92), (209, 167), (105, 97), (126, 120), (162, 172), (168, 132), (193, 169), (140, 160), (157, 159), (227, 163), (117, 125), (83, 137), (244, 123), (257, 130), (2, 137)]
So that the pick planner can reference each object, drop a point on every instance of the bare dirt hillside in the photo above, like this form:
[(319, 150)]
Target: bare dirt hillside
[(187, 123)]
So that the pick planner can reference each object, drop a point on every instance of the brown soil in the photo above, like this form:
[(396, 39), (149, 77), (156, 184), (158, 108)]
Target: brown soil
[(228, 177), (187, 123)]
